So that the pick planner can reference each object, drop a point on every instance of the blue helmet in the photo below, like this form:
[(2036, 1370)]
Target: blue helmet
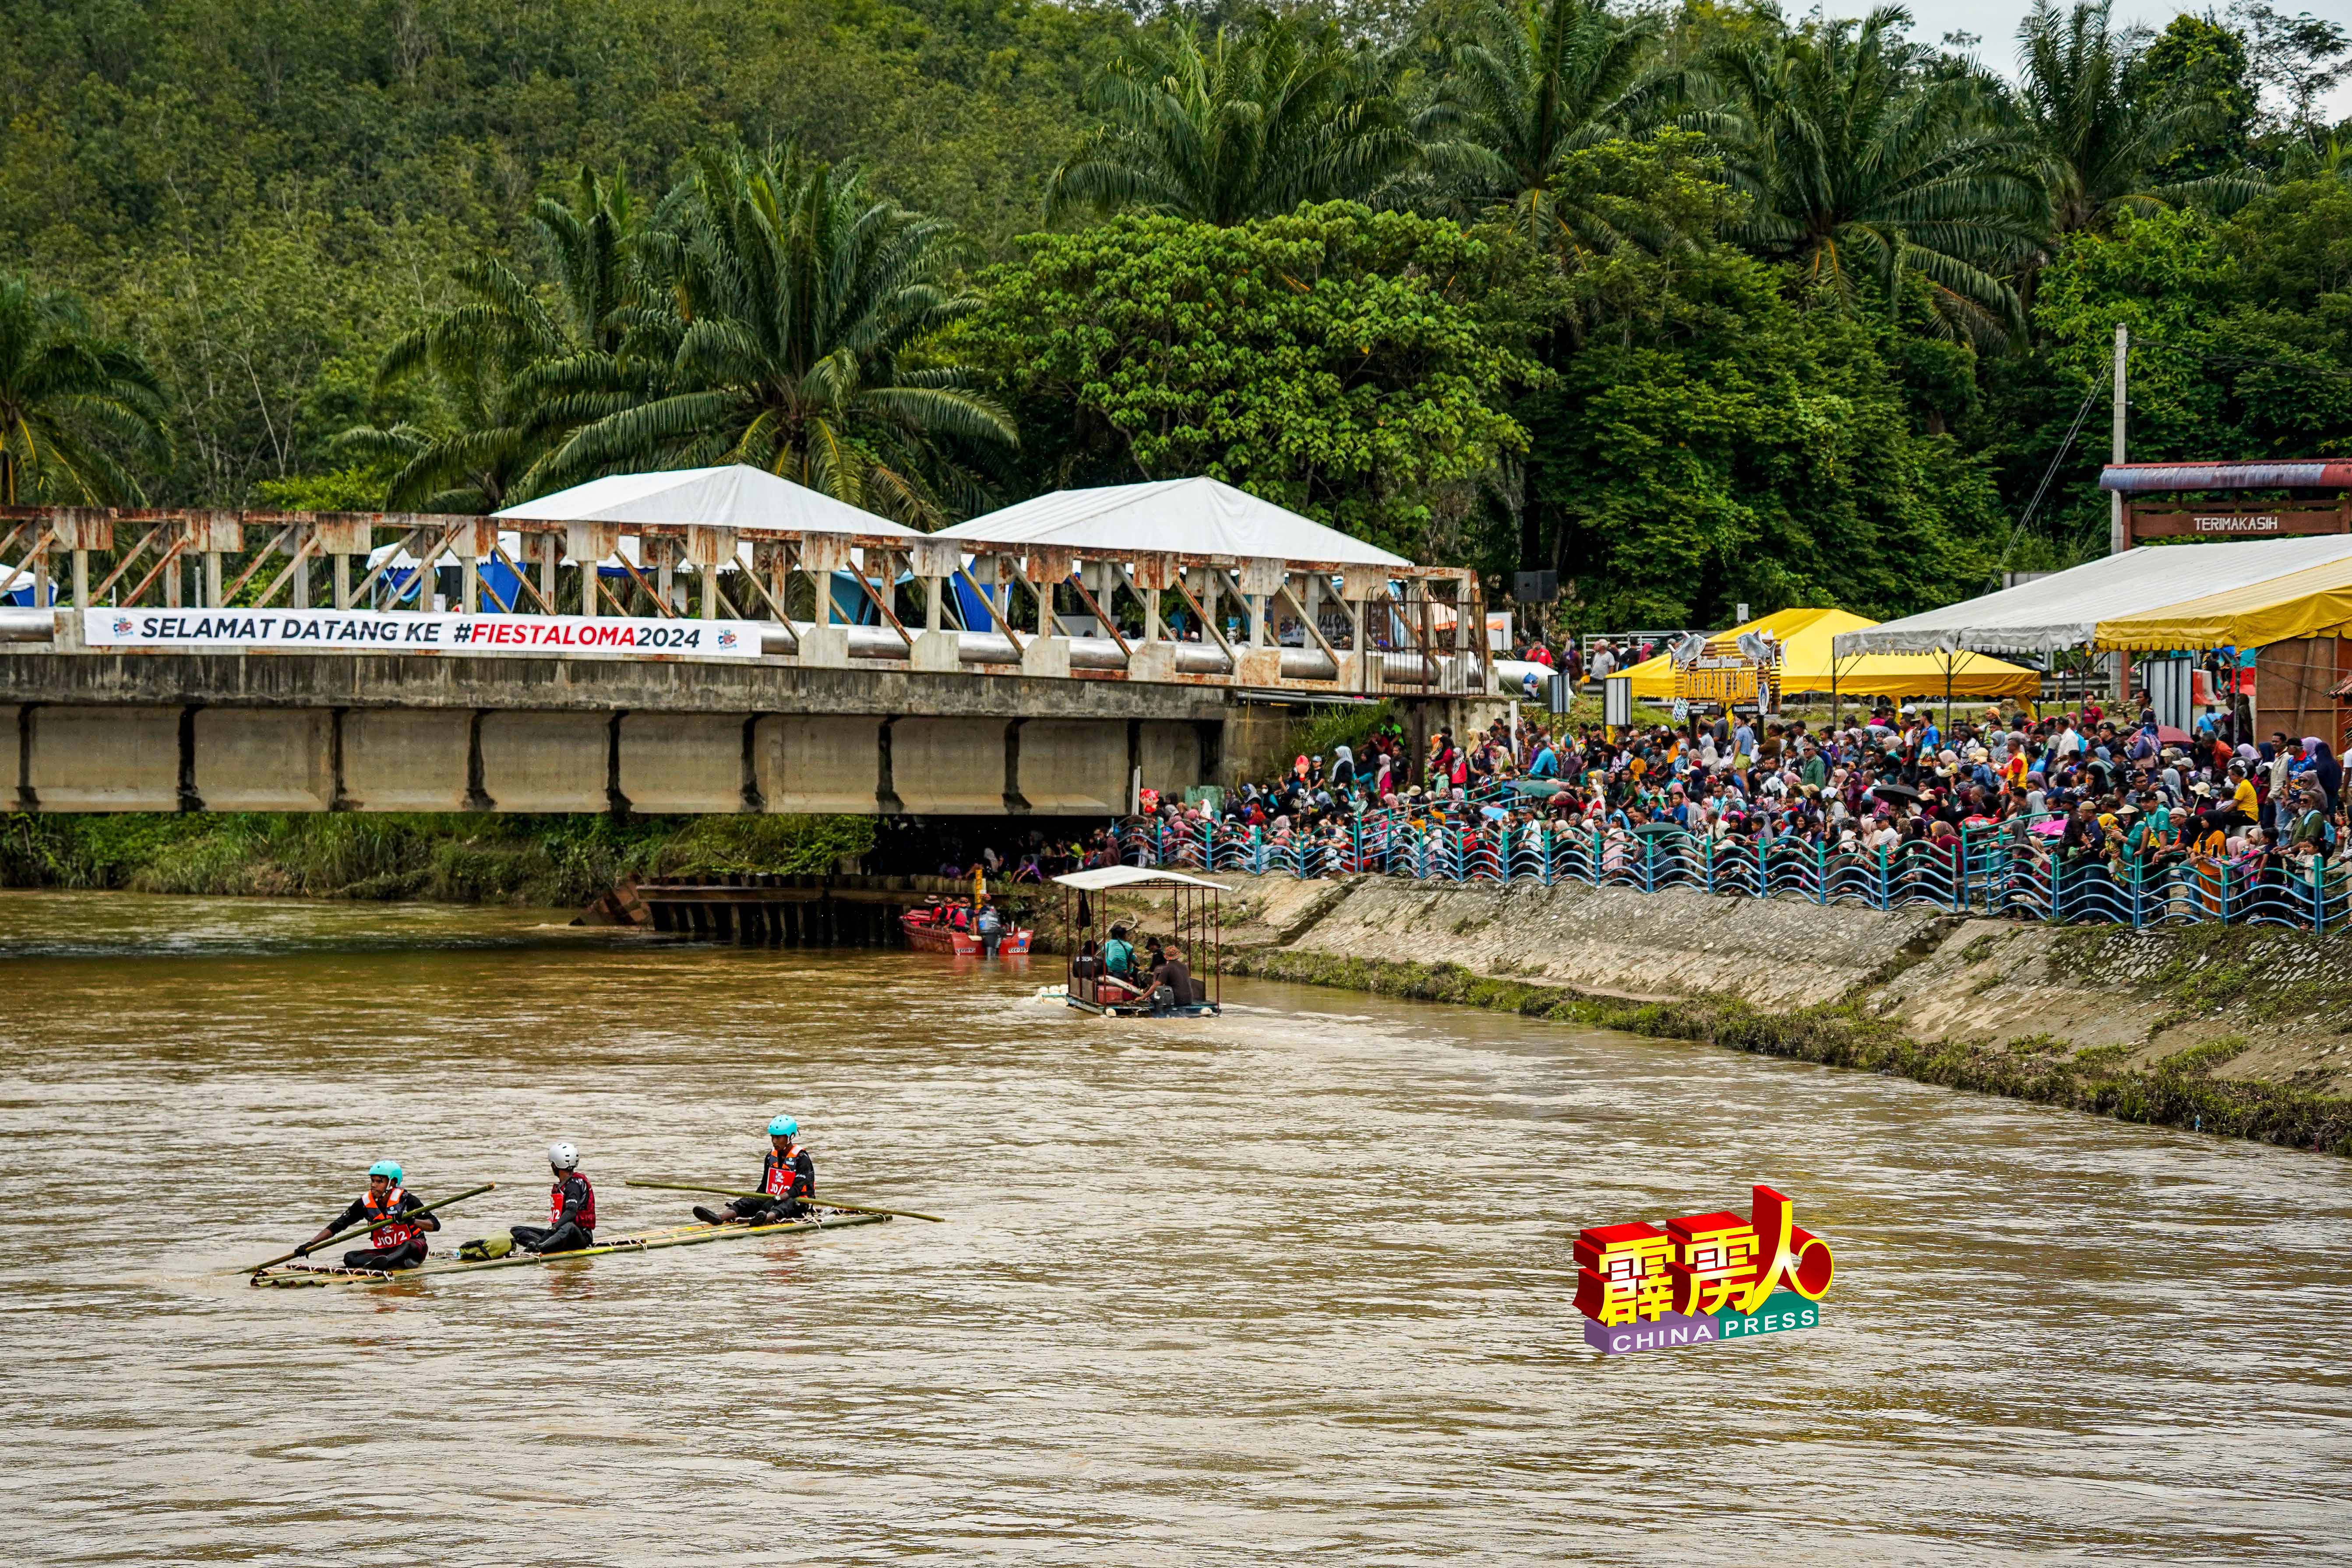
[(386, 1168), (783, 1127)]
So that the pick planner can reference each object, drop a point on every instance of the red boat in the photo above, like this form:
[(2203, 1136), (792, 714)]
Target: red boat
[(928, 932)]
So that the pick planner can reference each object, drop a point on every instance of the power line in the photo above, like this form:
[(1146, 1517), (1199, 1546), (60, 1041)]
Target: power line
[(2049, 475), (2250, 360)]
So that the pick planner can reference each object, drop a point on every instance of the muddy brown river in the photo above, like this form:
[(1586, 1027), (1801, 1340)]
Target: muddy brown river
[(1293, 1283)]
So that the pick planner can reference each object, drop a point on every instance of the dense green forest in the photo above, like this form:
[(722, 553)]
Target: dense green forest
[(1697, 302)]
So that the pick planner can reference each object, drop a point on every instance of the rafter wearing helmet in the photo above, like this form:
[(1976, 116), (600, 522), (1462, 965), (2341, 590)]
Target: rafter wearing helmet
[(571, 1208), (393, 1240), (787, 1183)]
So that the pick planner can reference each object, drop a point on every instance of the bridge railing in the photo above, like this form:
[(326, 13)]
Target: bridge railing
[(834, 600)]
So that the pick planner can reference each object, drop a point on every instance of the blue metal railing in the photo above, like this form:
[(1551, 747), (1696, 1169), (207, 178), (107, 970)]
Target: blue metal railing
[(2017, 870)]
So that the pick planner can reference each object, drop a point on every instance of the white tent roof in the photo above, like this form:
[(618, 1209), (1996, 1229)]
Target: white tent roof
[(1103, 877), (2063, 610), (1198, 515), (735, 496)]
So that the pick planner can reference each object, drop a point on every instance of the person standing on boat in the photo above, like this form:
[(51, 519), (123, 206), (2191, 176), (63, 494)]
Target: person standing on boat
[(571, 1208), (991, 927), (394, 1242), (787, 1181)]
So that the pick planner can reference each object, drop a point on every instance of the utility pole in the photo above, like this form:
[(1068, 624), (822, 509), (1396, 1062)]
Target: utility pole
[(2117, 542)]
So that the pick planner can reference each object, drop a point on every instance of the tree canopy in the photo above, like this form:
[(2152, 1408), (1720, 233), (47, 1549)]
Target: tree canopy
[(1349, 364), (1246, 122), (1697, 303)]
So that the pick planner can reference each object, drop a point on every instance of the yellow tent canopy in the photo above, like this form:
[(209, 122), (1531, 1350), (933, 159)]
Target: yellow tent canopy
[(1805, 664), (2312, 603)]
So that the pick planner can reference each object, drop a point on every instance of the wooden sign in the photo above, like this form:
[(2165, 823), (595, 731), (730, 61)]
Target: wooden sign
[(2220, 522)]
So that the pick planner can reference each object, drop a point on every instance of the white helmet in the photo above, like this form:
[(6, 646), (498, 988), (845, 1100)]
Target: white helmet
[(562, 1156)]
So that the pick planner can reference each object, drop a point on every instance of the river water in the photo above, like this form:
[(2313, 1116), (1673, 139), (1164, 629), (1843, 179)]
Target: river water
[(1292, 1282)]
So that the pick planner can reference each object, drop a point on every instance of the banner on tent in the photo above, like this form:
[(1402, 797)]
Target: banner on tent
[(369, 631)]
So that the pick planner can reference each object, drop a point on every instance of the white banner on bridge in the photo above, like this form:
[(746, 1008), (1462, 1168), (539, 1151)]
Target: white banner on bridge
[(373, 631)]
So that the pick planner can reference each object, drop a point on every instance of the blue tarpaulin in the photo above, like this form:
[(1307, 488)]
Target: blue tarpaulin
[(971, 607), (850, 605), (502, 585)]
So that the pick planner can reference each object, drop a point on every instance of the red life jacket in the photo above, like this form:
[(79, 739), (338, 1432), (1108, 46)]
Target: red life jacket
[(389, 1230), (586, 1217), (777, 1175)]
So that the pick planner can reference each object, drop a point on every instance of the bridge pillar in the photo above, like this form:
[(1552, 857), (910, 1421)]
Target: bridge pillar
[(103, 759), (682, 761), (823, 646), (709, 548), (546, 762), (937, 652), (1259, 667), (588, 543), (406, 760), (818, 764), (264, 759), (1169, 756), (1072, 767), (949, 766), (1047, 656)]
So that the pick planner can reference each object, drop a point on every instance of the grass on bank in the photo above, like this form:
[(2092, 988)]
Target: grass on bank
[(455, 858), (2178, 1091)]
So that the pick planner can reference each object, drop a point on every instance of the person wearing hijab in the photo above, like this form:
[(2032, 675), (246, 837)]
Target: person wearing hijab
[(1343, 768), (2329, 772)]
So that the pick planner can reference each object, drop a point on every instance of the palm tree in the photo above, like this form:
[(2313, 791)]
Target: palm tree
[(1266, 115), (1861, 166), (494, 354), (2102, 130), (66, 399), (780, 305), (2309, 159), (1532, 84)]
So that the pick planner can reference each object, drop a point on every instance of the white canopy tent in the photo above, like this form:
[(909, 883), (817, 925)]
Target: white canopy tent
[(733, 496), (1199, 516), (1104, 878), (2063, 610), (751, 501)]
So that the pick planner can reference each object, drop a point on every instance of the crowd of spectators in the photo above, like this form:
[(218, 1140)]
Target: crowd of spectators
[(1034, 858), (1606, 657), (2118, 797)]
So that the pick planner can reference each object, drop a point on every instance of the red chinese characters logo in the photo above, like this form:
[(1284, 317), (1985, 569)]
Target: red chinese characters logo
[(1699, 1265)]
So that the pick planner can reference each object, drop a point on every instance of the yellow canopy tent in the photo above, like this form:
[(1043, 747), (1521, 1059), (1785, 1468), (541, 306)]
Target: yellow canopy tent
[(2314, 603), (1806, 664)]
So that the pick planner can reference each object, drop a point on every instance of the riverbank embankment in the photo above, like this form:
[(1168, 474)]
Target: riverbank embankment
[(2239, 1031)]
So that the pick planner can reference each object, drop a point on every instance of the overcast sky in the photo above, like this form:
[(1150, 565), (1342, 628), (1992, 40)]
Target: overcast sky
[(1996, 22)]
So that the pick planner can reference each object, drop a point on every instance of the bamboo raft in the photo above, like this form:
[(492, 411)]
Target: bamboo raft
[(298, 1275)]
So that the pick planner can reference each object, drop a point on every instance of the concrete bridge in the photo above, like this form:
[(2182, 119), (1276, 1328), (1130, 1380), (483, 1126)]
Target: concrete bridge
[(1079, 693)]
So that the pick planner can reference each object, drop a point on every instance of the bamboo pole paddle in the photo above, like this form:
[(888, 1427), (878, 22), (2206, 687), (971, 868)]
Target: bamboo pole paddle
[(329, 1241), (825, 1203)]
